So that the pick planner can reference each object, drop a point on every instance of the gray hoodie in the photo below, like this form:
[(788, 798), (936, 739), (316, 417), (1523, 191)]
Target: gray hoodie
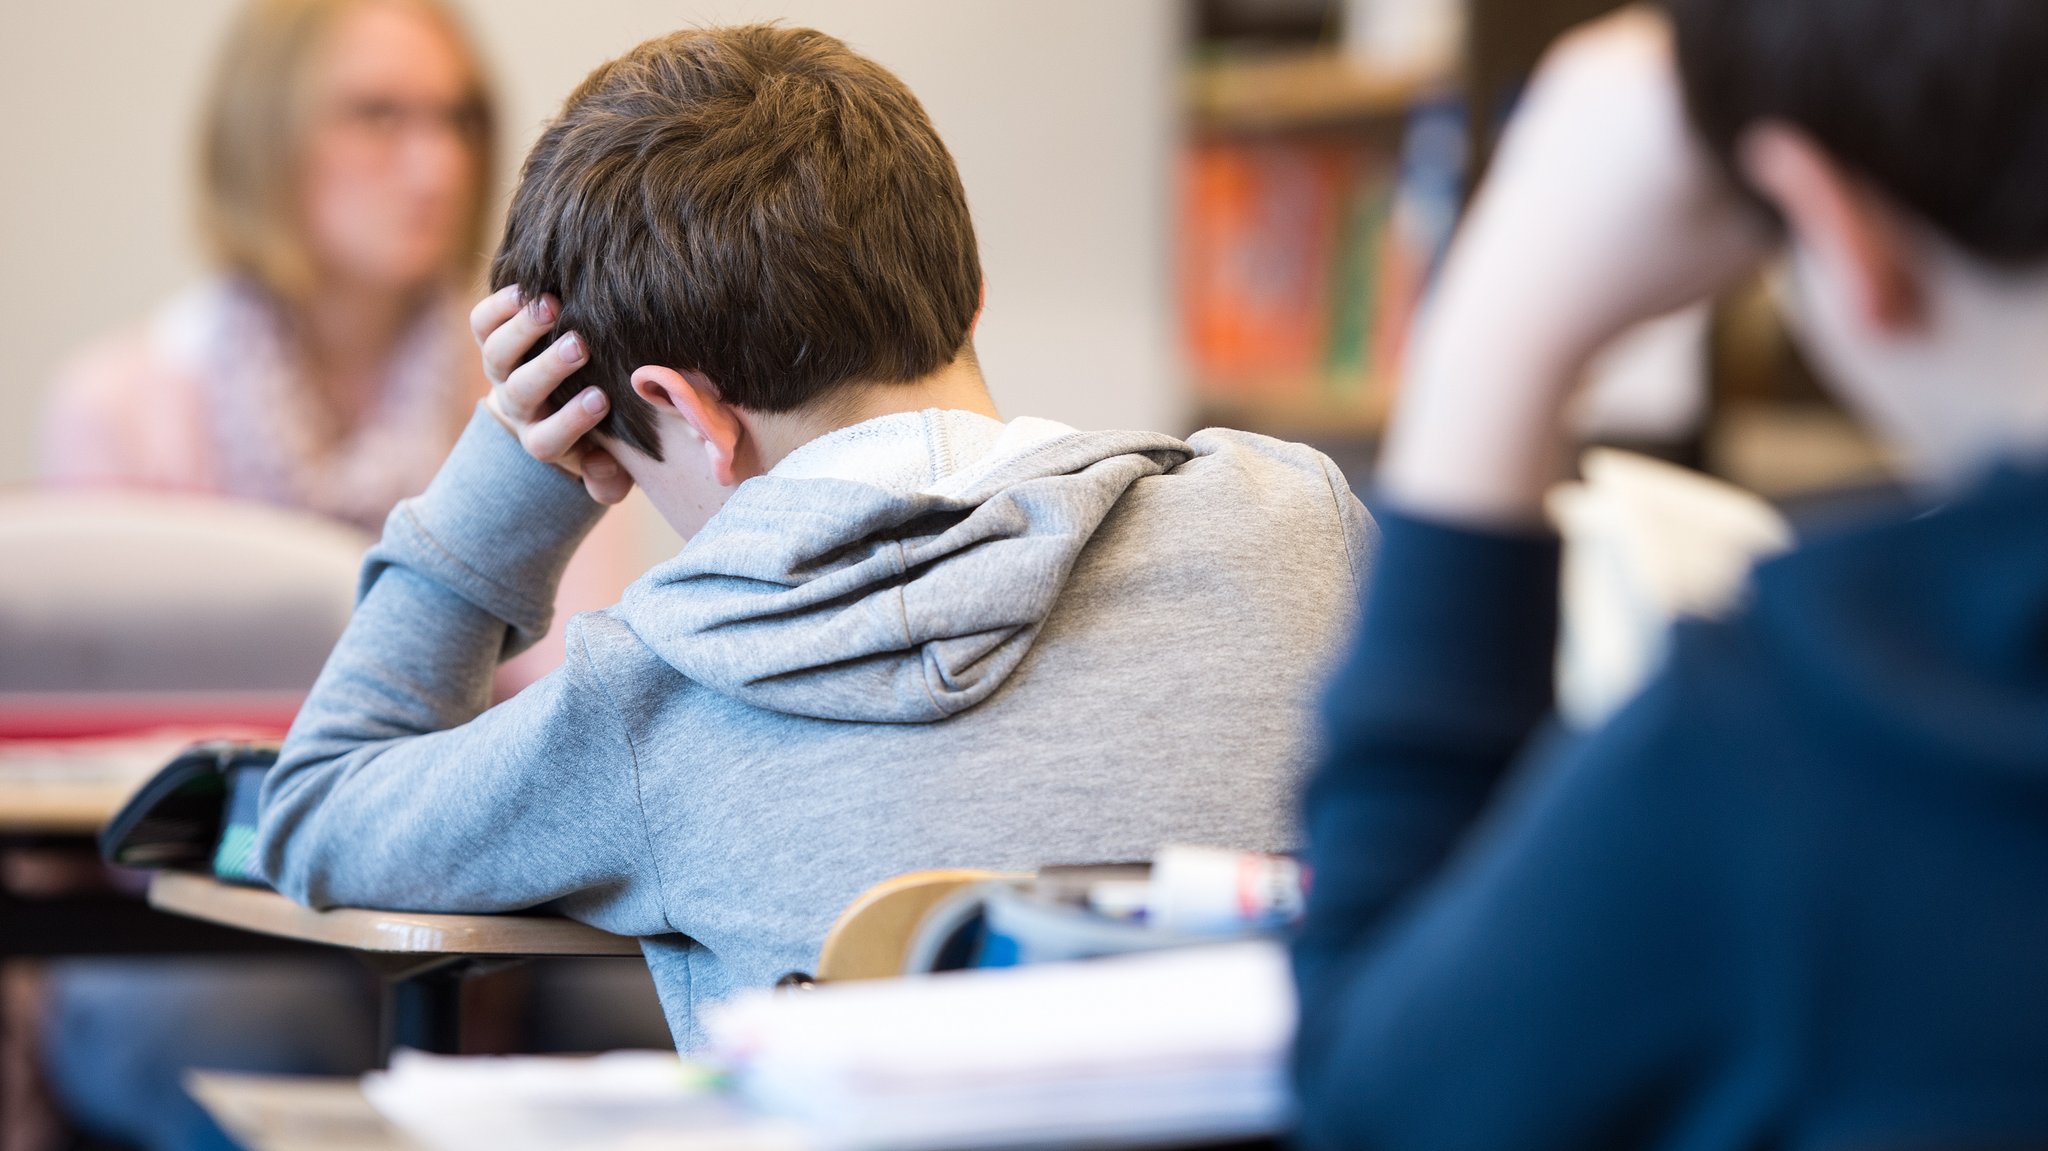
[(929, 640)]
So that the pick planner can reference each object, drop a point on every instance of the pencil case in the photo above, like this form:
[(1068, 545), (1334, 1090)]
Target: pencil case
[(1186, 896), (198, 811)]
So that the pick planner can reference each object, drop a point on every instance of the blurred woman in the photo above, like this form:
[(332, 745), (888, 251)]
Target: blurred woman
[(344, 180), (345, 161)]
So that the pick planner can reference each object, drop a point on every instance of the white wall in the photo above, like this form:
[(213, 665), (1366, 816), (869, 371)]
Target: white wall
[(94, 210), (1060, 113)]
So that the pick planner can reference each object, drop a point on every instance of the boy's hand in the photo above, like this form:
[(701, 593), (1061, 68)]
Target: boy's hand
[(1601, 210), (505, 328)]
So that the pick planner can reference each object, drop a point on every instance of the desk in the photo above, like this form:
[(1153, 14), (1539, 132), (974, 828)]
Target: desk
[(68, 787), (54, 796), (281, 1113), (394, 932), (424, 958), (50, 810)]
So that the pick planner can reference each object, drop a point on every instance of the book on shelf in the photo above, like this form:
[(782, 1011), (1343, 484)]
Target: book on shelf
[(1261, 222), (1303, 259)]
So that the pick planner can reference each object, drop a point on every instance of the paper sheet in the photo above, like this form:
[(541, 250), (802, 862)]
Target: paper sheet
[(623, 1101), (1163, 1047)]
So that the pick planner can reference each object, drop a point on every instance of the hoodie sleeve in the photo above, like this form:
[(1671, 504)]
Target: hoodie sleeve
[(1449, 674), (396, 788), (1443, 968)]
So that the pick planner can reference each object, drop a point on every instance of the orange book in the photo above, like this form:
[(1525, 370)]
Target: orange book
[(1260, 225)]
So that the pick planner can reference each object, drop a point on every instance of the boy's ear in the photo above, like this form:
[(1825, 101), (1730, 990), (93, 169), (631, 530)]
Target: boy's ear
[(710, 425), (1843, 221)]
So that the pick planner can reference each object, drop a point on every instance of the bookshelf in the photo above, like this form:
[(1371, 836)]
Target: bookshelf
[(1296, 89), (1289, 288), (1307, 153), (1316, 194), (1309, 419)]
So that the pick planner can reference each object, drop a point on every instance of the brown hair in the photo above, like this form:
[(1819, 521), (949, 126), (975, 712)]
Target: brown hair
[(253, 132), (759, 204)]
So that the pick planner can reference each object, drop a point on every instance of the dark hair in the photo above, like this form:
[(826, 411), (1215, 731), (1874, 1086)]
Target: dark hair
[(1942, 104), (759, 204)]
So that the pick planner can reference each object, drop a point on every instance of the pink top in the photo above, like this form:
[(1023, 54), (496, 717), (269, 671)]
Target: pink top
[(204, 396)]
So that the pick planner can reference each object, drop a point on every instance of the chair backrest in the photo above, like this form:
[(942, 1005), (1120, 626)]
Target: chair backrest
[(138, 596), (871, 938)]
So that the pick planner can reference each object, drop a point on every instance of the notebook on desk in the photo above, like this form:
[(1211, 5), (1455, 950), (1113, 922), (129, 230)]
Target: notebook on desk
[(198, 810), (73, 786)]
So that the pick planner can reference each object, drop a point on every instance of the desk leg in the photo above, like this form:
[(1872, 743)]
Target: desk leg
[(422, 1000), (424, 1011)]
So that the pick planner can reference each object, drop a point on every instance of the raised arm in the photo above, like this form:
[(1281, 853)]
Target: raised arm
[(1601, 210), (396, 788)]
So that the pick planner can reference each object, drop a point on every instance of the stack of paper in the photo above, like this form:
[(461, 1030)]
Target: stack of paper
[(1173, 1046)]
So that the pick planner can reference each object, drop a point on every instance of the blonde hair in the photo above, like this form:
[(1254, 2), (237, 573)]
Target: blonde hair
[(258, 115)]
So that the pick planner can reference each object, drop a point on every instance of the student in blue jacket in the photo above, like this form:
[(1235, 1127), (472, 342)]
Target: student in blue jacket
[(1794, 894)]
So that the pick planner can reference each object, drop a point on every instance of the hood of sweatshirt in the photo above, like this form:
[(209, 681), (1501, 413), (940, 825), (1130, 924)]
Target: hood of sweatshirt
[(893, 572), (1926, 628)]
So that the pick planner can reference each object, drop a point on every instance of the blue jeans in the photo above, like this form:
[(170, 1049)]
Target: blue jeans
[(119, 1034)]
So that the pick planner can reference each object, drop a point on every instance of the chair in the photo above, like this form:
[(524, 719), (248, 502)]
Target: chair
[(871, 939), (131, 624), (124, 611)]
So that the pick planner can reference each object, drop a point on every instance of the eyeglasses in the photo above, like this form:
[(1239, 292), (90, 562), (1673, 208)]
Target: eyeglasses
[(385, 123)]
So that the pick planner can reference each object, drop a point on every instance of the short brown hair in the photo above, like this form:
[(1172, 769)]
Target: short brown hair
[(253, 133), (759, 204)]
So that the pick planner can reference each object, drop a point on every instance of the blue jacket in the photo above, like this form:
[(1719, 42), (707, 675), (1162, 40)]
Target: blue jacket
[(1795, 894)]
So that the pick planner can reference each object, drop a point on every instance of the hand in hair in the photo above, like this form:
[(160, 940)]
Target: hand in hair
[(1601, 209), (505, 327)]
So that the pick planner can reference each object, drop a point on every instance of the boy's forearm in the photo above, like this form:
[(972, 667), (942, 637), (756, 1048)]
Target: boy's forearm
[(464, 575), (397, 788), (1450, 674), (496, 528), (1600, 210)]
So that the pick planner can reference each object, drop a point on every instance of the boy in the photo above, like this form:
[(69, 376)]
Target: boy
[(903, 634), (1790, 896)]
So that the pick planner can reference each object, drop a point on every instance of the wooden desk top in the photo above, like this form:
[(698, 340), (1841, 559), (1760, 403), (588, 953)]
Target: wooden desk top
[(268, 913), (73, 786), (291, 1114), (63, 809)]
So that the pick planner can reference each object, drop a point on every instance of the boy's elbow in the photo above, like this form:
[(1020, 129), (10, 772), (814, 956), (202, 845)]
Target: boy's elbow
[(286, 849), (281, 857)]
